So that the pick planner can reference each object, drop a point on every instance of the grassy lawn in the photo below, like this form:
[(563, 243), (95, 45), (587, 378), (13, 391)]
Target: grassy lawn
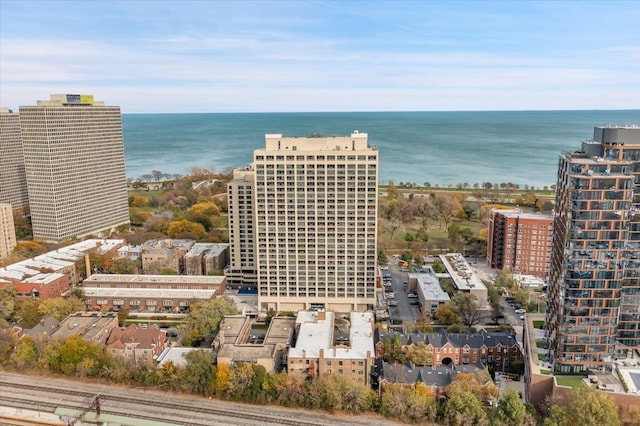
[(545, 372), (571, 381), (542, 357), (542, 344), (538, 324)]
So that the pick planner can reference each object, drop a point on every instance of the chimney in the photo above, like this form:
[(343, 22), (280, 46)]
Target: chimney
[(87, 264), (321, 315), (321, 354)]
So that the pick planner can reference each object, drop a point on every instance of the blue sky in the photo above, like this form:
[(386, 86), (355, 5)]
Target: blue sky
[(217, 56)]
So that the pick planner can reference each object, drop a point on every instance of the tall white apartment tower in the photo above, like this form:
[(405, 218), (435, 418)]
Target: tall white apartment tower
[(13, 182), (74, 162), (7, 231), (314, 221)]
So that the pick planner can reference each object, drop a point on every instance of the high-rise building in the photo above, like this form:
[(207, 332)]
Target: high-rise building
[(74, 162), (13, 182), (242, 272), (7, 231), (520, 242), (304, 218), (594, 295)]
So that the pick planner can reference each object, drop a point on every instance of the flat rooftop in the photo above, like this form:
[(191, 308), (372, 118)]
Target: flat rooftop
[(177, 355), (461, 272), (85, 324), (155, 279), (430, 287), (315, 334), (149, 293)]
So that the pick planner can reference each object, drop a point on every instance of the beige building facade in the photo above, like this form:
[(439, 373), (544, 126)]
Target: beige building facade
[(314, 221), (74, 163), (7, 231)]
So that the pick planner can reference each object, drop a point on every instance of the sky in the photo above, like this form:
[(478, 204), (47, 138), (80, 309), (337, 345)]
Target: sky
[(297, 56)]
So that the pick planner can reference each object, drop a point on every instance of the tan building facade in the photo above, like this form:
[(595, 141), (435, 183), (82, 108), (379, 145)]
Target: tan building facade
[(7, 231), (314, 222), (74, 163), (520, 242)]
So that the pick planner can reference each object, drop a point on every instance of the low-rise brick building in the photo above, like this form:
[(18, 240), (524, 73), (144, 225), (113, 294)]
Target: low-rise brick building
[(158, 255), (329, 345), (152, 293), (206, 258)]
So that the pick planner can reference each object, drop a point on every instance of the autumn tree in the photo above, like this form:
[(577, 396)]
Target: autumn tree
[(186, 229), (7, 302), (446, 315), (74, 356), (125, 265), (446, 207), (586, 406), (204, 318), (415, 405), (61, 307), (466, 307)]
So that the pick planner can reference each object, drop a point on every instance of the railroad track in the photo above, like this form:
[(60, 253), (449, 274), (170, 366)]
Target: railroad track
[(194, 412)]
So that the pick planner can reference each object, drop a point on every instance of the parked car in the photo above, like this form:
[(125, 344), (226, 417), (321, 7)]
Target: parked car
[(391, 295), (520, 311), (521, 317), (412, 296), (415, 302), (392, 303)]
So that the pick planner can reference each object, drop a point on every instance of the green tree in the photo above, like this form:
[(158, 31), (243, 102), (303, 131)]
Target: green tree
[(466, 307), (511, 411), (204, 318), (61, 307), (463, 408), (28, 314), (74, 356), (586, 406), (200, 373)]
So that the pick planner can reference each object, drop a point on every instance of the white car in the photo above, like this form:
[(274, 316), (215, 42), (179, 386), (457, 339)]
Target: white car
[(520, 311), (391, 295), (393, 303), (412, 295)]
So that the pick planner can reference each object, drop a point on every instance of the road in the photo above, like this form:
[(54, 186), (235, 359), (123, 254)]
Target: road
[(404, 311)]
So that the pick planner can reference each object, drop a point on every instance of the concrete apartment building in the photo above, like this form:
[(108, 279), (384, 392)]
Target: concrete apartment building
[(326, 344), (152, 293), (7, 231), (237, 342), (243, 270), (313, 222), (594, 294), (520, 242), (74, 163), (13, 180)]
